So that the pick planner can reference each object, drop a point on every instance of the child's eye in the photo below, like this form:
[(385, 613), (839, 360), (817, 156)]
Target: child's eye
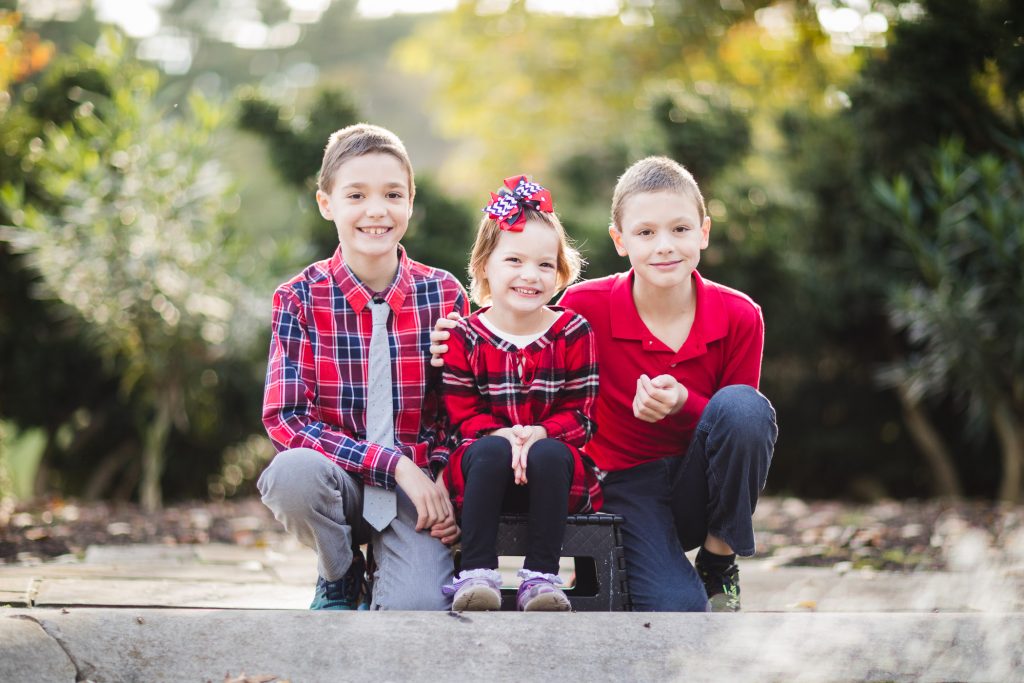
[(394, 195), (547, 265), (512, 259), (355, 195), (645, 233), (682, 228)]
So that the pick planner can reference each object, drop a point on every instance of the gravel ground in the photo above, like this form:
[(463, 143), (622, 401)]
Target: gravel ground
[(890, 535)]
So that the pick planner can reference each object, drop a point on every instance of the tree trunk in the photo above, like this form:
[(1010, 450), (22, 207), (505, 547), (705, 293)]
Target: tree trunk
[(102, 476), (41, 480), (153, 456), (945, 481), (1011, 438)]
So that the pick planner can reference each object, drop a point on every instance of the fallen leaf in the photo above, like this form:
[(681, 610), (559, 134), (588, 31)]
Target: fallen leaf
[(260, 678)]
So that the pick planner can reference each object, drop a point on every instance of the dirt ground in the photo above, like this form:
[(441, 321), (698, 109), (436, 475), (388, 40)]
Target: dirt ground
[(908, 535)]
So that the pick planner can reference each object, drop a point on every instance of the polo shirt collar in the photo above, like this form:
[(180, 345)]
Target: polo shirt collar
[(626, 322), (359, 295), (710, 319)]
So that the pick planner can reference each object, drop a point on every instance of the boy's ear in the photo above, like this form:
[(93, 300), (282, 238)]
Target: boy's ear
[(705, 232), (616, 236), (323, 201)]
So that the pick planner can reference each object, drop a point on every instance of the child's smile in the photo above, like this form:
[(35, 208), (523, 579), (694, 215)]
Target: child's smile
[(662, 234), (374, 230), (522, 273), (666, 265), (370, 205)]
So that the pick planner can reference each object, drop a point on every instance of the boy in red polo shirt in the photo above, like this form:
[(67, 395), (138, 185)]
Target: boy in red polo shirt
[(351, 401), (684, 439)]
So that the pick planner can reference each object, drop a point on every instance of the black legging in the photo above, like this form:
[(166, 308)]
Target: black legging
[(490, 490)]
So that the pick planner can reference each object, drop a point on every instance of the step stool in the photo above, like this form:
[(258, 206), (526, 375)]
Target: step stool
[(594, 542)]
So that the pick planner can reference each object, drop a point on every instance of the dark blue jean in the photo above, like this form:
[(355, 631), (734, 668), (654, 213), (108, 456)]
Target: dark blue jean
[(671, 505)]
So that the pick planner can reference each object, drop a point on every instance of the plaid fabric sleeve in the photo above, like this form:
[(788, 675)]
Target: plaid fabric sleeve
[(289, 414), (437, 432), (571, 417), (468, 410)]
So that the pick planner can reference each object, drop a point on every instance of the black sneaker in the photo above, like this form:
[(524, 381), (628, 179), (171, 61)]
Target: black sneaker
[(723, 588), (344, 594)]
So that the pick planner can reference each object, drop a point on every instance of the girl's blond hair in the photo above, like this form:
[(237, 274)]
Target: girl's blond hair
[(567, 267)]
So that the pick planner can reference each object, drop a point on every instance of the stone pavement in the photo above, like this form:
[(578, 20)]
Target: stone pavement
[(142, 613)]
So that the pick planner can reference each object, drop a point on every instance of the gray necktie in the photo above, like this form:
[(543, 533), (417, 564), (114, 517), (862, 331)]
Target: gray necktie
[(379, 505)]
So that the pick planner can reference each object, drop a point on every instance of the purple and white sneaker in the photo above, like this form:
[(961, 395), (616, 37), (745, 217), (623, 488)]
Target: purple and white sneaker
[(475, 590), (539, 593)]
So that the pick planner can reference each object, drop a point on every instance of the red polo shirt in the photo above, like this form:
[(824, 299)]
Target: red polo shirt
[(724, 347)]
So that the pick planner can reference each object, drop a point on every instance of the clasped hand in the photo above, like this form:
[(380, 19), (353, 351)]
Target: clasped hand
[(658, 398), (521, 437)]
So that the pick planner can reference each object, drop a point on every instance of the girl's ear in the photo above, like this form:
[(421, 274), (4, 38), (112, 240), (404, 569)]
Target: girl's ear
[(323, 202), (616, 236)]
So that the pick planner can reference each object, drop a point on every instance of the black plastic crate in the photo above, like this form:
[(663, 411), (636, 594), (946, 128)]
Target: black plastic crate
[(595, 544)]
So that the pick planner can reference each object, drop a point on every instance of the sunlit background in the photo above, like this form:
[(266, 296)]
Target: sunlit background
[(861, 161)]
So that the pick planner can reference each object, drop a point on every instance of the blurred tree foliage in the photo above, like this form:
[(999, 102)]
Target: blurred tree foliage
[(522, 90), (22, 53), (296, 147), (957, 70), (441, 229), (962, 309), (41, 346), (126, 219)]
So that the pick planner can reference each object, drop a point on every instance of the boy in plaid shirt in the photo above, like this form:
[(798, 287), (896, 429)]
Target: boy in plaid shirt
[(317, 389), (520, 385)]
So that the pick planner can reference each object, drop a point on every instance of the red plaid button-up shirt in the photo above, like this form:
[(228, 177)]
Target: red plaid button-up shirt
[(489, 383), (316, 388)]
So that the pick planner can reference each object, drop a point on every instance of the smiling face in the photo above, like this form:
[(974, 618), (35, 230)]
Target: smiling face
[(370, 205), (522, 274), (662, 234)]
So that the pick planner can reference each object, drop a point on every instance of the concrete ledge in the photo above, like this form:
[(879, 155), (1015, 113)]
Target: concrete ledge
[(28, 653), (300, 646)]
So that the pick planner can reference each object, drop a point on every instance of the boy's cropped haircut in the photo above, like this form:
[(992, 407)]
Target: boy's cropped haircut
[(355, 141), (567, 269), (655, 174)]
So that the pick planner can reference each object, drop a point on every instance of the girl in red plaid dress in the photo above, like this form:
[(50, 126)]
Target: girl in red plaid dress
[(520, 382)]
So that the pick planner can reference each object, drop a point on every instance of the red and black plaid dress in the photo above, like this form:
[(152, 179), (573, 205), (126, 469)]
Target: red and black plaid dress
[(489, 383)]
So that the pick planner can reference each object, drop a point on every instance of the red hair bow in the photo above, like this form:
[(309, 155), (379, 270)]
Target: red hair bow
[(508, 207)]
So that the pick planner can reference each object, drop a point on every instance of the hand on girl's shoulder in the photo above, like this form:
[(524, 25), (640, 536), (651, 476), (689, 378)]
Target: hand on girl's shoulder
[(441, 334)]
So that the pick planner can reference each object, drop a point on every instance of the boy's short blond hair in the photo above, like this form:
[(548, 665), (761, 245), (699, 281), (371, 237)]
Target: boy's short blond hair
[(655, 174), (355, 141), (567, 266)]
